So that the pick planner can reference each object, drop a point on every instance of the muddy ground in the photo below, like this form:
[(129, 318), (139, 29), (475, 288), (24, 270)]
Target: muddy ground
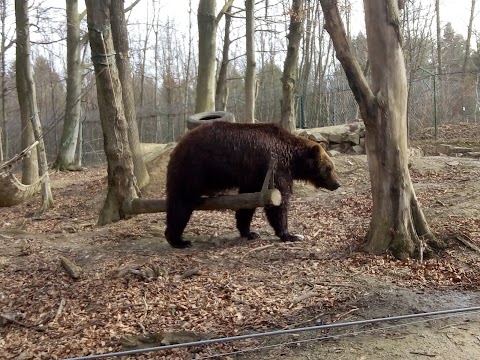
[(133, 284)]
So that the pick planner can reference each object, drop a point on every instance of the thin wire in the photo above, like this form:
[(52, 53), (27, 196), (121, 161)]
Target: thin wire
[(335, 336), (277, 332)]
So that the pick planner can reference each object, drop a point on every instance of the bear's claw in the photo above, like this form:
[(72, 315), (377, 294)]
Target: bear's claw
[(252, 235), (182, 244), (292, 237)]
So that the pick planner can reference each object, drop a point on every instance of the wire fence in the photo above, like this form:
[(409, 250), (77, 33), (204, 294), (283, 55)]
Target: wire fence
[(434, 101)]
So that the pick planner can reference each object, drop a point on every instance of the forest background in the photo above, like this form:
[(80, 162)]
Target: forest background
[(163, 40)]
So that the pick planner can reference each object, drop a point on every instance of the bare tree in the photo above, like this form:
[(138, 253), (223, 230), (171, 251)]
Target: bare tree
[(122, 49), (469, 37), (4, 46), (207, 32), (221, 92), (29, 163), (71, 126), (28, 106), (250, 78), (397, 224), (121, 179), (289, 77), (439, 37)]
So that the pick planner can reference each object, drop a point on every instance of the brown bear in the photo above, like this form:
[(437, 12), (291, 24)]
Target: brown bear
[(223, 155)]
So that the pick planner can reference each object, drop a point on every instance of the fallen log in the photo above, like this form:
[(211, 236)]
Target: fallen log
[(268, 197)]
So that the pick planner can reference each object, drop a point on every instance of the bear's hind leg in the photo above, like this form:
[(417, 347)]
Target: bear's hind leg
[(244, 219), (178, 215)]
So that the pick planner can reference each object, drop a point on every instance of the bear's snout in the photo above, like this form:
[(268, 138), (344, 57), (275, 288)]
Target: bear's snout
[(333, 186), (334, 182)]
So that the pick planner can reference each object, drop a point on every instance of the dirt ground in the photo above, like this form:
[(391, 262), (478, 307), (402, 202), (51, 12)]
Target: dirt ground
[(132, 283)]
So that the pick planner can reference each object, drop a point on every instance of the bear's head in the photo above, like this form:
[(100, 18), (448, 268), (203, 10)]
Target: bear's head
[(318, 169)]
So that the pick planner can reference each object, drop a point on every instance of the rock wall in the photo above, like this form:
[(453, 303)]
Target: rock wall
[(345, 138)]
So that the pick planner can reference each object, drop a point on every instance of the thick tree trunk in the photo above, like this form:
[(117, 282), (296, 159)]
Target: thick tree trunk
[(121, 183), (25, 68), (68, 143), (289, 78), (207, 32), (250, 78), (207, 46), (398, 224), (120, 40), (29, 163)]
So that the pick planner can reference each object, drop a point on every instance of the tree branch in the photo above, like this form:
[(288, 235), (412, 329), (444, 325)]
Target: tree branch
[(223, 11), (128, 8), (356, 79)]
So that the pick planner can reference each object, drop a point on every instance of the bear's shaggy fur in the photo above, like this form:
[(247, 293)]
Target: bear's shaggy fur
[(223, 155)]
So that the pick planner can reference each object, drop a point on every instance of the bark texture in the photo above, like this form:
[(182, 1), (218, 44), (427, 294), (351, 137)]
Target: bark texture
[(120, 41), (221, 92), (68, 143), (29, 163), (207, 32), (121, 180), (25, 67), (289, 78), (250, 78)]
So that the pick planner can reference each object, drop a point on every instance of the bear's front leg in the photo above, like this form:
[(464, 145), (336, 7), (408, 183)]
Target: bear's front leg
[(278, 218), (244, 219)]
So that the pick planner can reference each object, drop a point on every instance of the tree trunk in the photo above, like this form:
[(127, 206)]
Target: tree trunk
[(142, 79), (289, 77), (121, 183), (25, 67), (221, 95), (29, 163), (250, 78), (439, 37), (207, 32), (68, 143), (397, 224), (120, 40), (3, 80), (469, 38)]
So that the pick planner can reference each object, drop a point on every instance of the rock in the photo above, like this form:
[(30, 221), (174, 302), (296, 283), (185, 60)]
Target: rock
[(443, 149), (474, 154), (460, 149), (357, 149), (333, 153), (354, 138), (340, 138), (415, 152)]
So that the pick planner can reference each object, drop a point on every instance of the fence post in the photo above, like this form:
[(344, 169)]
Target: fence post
[(435, 115)]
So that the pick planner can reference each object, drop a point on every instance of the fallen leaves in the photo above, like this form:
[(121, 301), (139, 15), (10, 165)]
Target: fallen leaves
[(134, 284)]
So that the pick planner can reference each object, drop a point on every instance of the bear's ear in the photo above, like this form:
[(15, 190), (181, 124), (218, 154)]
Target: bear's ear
[(315, 151)]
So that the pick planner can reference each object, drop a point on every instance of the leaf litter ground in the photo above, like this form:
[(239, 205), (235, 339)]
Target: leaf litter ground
[(133, 283)]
